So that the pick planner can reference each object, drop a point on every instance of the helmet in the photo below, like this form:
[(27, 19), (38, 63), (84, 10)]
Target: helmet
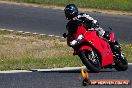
[(71, 11)]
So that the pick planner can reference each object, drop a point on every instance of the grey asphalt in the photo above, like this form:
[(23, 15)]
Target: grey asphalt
[(61, 79), (49, 21)]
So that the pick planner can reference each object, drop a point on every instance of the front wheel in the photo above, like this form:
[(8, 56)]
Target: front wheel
[(91, 60)]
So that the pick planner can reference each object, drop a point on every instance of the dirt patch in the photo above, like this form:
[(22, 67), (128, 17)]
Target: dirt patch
[(114, 12)]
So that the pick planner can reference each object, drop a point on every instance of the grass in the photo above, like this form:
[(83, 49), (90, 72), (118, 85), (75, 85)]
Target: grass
[(127, 49), (121, 5), (27, 51)]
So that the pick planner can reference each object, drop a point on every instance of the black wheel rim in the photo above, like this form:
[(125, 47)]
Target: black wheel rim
[(95, 60)]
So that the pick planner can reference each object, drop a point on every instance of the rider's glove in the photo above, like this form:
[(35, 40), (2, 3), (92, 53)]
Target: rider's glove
[(74, 42)]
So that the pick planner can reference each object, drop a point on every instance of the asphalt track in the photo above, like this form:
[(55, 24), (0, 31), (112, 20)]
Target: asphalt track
[(49, 21), (61, 79)]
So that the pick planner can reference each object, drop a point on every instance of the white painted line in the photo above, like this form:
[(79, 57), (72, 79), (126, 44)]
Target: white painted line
[(20, 31), (49, 70), (42, 34), (64, 69), (57, 36), (45, 70), (60, 69), (30, 33), (129, 63), (10, 30), (62, 37), (3, 29), (15, 71), (27, 32), (51, 35), (35, 33)]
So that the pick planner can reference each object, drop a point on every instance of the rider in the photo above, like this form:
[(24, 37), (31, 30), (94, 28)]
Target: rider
[(71, 14)]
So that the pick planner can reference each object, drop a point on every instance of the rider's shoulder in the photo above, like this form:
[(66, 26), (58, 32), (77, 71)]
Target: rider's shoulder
[(82, 15)]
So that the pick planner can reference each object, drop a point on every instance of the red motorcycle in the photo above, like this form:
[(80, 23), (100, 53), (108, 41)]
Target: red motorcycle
[(96, 52)]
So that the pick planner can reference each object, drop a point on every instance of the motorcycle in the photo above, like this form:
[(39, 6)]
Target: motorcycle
[(96, 52)]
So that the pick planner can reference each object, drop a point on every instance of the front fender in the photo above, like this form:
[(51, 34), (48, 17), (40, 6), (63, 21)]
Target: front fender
[(85, 48)]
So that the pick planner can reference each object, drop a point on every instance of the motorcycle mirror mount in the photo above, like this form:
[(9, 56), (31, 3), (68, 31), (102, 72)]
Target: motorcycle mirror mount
[(64, 35), (110, 28)]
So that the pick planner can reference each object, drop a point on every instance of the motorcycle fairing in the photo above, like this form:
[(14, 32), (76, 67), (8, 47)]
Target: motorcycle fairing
[(112, 37), (101, 45)]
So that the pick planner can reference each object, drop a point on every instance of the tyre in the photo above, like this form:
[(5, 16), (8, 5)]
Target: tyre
[(90, 60), (121, 64)]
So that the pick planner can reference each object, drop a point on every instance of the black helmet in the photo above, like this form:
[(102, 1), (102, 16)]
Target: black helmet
[(71, 11)]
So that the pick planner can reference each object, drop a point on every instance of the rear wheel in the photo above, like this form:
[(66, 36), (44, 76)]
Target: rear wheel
[(90, 60), (121, 63)]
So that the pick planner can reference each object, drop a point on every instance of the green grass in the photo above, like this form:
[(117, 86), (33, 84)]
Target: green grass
[(127, 49), (27, 51), (122, 5)]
